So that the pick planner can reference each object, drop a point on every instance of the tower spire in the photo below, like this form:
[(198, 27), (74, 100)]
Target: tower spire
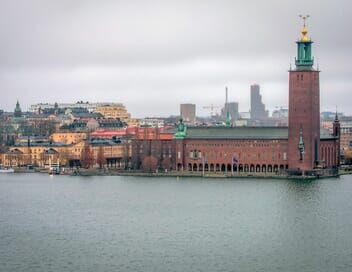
[(304, 59), (304, 129), (304, 30), (304, 18)]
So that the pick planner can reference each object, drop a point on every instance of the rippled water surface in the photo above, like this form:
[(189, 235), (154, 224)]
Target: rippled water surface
[(162, 224)]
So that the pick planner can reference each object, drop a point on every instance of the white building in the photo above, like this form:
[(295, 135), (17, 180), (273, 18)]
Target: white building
[(80, 104), (151, 122)]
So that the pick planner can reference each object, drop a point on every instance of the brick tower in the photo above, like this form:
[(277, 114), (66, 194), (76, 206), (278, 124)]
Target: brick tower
[(304, 108)]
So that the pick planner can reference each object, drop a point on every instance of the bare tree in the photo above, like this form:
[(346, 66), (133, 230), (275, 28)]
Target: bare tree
[(64, 156), (166, 163), (87, 156), (101, 157), (149, 164)]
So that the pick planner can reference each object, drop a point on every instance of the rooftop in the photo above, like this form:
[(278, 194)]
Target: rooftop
[(244, 133), (237, 133)]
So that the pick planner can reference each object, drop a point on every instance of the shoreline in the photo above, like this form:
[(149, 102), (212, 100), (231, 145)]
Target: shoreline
[(97, 172)]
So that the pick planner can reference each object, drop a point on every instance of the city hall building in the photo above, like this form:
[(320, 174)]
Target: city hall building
[(300, 148)]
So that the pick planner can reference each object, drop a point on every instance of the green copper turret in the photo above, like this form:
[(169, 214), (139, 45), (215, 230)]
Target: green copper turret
[(304, 59), (181, 130)]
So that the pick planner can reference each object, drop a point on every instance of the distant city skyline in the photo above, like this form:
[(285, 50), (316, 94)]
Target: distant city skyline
[(154, 56)]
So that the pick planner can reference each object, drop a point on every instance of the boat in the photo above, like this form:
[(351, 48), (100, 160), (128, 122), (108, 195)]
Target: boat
[(54, 168), (54, 171), (5, 170)]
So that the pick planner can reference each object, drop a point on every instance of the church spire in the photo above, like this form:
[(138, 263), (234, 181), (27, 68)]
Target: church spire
[(18, 111)]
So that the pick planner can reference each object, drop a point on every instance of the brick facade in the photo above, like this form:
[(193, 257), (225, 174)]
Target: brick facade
[(229, 155), (304, 117)]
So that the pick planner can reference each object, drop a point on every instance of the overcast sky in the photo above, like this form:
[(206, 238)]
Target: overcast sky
[(153, 55)]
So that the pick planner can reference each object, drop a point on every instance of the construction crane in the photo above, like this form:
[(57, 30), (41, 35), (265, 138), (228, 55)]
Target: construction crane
[(212, 108)]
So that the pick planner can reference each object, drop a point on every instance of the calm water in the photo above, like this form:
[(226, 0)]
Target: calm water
[(143, 224)]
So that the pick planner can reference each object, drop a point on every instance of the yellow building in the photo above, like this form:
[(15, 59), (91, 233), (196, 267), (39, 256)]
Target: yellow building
[(43, 155), (116, 110), (133, 122), (68, 137), (38, 155)]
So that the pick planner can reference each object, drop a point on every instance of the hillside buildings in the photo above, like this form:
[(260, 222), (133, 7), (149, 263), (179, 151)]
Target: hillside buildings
[(104, 135)]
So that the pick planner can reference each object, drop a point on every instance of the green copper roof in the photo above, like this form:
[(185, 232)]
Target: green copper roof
[(326, 135), (243, 133), (237, 133)]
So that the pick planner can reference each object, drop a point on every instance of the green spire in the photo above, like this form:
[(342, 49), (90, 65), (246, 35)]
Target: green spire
[(304, 59), (301, 144), (228, 119)]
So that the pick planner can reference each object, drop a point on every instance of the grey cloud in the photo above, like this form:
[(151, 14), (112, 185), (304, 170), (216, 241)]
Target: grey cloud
[(175, 51)]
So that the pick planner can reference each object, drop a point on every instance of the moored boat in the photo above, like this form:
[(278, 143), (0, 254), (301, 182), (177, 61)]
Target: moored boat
[(6, 170)]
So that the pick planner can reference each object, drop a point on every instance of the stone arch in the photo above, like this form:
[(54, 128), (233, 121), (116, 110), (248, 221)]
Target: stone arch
[(212, 167), (223, 167), (270, 168), (246, 168), (257, 168), (282, 168), (195, 167), (217, 168), (235, 167), (229, 168), (179, 166), (200, 167), (252, 168), (206, 167), (264, 168), (190, 167), (276, 168), (240, 168)]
